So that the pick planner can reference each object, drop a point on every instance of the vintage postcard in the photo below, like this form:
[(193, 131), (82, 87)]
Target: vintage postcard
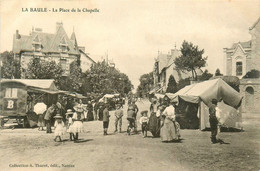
[(129, 85)]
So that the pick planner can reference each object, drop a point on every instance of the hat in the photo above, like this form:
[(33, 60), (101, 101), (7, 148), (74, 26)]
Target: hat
[(57, 116), (214, 101), (144, 112), (69, 112)]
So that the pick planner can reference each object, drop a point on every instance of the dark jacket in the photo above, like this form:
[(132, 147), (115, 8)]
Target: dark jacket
[(106, 115)]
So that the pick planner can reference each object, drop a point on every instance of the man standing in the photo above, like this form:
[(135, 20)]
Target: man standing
[(49, 113), (119, 114), (135, 108), (213, 121), (105, 119)]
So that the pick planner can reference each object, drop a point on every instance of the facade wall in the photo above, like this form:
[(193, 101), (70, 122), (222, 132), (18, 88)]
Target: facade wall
[(26, 58), (228, 64), (255, 33), (250, 90)]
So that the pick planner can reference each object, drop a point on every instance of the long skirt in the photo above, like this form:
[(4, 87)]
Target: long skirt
[(169, 131), (40, 121), (90, 116), (154, 125), (77, 127)]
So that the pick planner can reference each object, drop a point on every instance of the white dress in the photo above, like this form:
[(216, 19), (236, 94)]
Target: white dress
[(77, 125), (59, 128), (69, 126)]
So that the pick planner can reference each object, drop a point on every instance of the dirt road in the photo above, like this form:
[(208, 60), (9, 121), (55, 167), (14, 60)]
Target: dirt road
[(30, 149)]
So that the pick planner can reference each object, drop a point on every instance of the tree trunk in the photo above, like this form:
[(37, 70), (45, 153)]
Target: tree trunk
[(192, 74), (195, 75)]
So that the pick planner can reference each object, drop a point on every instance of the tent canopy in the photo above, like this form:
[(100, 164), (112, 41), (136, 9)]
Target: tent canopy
[(208, 90)]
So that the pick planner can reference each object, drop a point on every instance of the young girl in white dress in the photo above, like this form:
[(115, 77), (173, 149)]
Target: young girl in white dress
[(59, 127)]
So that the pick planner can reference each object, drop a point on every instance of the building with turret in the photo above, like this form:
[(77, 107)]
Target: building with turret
[(56, 47)]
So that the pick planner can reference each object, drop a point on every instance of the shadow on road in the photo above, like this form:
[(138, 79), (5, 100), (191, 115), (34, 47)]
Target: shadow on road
[(82, 140)]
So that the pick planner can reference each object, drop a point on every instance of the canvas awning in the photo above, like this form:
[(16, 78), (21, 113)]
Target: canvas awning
[(207, 90), (35, 85)]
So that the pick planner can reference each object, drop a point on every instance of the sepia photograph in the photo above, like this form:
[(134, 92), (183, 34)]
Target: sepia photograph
[(126, 85)]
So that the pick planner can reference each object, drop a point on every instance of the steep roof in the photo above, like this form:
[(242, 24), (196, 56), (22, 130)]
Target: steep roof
[(84, 54), (243, 44), (49, 42), (253, 26), (165, 60)]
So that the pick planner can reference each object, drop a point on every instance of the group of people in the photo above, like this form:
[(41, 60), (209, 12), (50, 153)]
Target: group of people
[(161, 122)]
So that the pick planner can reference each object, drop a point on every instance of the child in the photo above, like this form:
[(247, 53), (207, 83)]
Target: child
[(144, 122), (118, 120), (59, 127), (69, 115), (105, 119), (77, 125)]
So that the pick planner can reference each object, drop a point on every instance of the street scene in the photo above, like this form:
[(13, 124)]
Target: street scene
[(157, 86), (118, 151)]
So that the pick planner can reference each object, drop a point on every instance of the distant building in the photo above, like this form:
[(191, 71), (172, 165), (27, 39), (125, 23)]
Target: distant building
[(56, 47), (244, 56), (164, 67), (241, 58), (85, 61)]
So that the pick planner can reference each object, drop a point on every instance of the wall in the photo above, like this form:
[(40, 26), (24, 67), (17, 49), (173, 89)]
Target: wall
[(251, 100)]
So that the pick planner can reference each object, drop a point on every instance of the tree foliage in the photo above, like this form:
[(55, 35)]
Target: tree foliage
[(146, 84), (42, 69), (205, 76), (72, 82), (252, 74), (183, 82), (10, 67), (172, 85), (190, 59), (102, 79), (217, 73)]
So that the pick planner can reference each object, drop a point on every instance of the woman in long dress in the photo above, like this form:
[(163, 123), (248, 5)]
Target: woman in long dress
[(169, 127), (153, 125)]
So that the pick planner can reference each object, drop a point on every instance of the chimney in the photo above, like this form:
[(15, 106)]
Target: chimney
[(38, 29), (58, 25), (17, 35)]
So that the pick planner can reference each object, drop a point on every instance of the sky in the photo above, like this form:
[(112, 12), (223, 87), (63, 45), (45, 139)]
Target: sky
[(132, 32)]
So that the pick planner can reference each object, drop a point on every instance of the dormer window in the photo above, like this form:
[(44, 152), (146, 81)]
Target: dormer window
[(37, 45), (64, 45)]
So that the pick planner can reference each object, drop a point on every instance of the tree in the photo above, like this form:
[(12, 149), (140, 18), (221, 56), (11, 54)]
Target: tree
[(190, 59), (73, 81), (41, 69), (182, 83), (205, 75), (146, 84), (172, 85), (102, 79), (252, 74), (217, 73), (10, 67)]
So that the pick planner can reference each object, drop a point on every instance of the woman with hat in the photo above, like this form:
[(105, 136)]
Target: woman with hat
[(59, 127), (169, 128), (154, 119)]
